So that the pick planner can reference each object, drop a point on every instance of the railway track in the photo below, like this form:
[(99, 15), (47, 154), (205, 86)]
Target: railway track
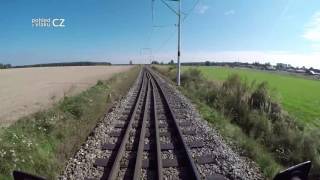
[(149, 140), (156, 133)]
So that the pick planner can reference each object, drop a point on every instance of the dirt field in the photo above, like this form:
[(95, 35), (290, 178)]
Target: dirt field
[(27, 90)]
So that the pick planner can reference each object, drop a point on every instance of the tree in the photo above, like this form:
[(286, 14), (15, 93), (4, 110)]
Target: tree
[(130, 62), (171, 62), (154, 62), (5, 66), (207, 63)]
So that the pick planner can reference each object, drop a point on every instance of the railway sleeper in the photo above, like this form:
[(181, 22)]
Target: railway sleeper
[(150, 163), (147, 163), (164, 146), (147, 135), (137, 125)]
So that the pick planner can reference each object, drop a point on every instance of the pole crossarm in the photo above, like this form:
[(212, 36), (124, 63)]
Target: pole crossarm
[(173, 10)]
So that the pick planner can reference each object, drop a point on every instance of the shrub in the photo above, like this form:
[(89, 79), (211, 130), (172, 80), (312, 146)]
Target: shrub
[(258, 115), (72, 105), (99, 83), (260, 98), (193, 76)]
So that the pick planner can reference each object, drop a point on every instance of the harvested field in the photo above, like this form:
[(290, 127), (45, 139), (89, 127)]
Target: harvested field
[(27, 90)]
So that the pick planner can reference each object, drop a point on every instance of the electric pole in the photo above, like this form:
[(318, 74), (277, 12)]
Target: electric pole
[(178, 13), (179, 43)]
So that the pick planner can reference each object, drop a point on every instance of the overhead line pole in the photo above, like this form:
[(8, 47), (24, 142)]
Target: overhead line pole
[(179, 31), (179, 44), (179, 36)]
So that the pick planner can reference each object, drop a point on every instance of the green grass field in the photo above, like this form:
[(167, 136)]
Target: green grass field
[(298, 95)]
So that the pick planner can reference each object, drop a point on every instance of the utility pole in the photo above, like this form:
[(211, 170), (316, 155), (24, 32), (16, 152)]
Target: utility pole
[(179, 35), (179, 43)]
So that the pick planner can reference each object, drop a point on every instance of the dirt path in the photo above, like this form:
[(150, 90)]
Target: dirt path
[(27, 90)]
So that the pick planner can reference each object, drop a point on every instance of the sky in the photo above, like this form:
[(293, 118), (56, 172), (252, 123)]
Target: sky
[(118, 31)]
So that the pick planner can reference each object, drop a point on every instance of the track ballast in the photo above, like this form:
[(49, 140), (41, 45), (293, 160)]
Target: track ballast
[(155, 138)]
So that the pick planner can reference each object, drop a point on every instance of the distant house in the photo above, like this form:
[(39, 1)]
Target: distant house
[(311, 72), (300, 71), (281, 66), (291, 70), (270, 68)]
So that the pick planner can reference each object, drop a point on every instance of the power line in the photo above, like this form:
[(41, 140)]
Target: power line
[(164, 43), (152, 23), (149, 37), (173, 10), (191, 10), (179, 14), (164, 26), (152, 10)]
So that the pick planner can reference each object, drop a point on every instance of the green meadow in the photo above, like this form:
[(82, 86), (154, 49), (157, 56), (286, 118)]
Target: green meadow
[(298, 95)]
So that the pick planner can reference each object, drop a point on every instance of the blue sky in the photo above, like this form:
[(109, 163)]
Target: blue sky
[(121, 30)]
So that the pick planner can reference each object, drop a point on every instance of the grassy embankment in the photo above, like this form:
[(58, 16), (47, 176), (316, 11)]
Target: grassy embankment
[(298, 95), (42, 142), (248, 117)]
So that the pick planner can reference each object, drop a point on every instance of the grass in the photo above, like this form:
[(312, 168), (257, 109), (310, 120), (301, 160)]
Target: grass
[(299, 96), (248, 118), (238, 140), (42, 142)]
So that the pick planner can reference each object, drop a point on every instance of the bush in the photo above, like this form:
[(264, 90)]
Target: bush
[(193, 76), (260, 98), (99, 83), (73, 106), (258, 115)]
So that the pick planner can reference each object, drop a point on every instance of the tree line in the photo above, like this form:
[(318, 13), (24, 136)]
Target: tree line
[(5, 66), (80, 63)]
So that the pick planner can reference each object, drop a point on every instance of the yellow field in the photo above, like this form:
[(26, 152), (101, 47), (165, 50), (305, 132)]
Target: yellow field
[(27, 90)]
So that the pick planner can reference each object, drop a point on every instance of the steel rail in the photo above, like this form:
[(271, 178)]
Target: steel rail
[(193, 169), (139, 158), (116, 164), (157, 132)]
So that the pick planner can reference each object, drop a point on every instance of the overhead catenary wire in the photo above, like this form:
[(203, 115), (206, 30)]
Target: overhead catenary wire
[(181, 19), (186, 15), (165, 42), (191, 10), (173, 10), (149, 37), (163, 26), (152, 11), (178, 13)]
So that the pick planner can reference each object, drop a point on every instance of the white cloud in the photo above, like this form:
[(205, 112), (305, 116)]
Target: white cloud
[(230, 12), (201, 9), (312, 30)]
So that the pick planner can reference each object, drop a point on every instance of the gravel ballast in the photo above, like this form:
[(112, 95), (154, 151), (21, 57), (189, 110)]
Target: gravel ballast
[(81, 165), (227, 162)]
